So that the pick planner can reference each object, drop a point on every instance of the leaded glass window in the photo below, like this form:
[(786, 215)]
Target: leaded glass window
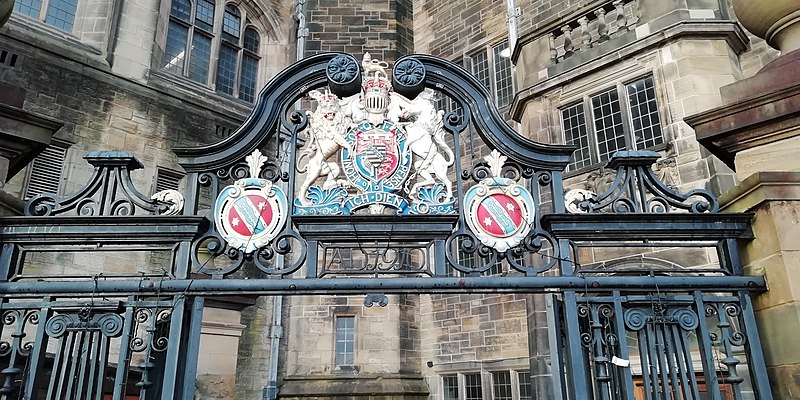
[(644, 113), (345, 341), (226, 69), (192, 40), (576, 134), (623, 117), (472, 387), (504, 88), (450, 387), (608, 124), (60, 13), (492, 67), (501, 386), (524, 378)]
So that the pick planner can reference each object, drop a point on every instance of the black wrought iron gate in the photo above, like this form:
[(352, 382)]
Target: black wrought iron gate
[(640, 328)]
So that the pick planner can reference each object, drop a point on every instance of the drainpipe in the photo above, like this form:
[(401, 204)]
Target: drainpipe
[(513, 12), (302, 30), (275, 334), (276, 330)]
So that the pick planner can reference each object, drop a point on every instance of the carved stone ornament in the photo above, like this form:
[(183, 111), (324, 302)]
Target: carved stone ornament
[(251, 212), (391, 150), (173, 199), (499, 211)]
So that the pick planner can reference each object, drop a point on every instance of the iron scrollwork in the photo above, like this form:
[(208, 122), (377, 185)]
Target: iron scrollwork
[(109, 191), (637, 189)]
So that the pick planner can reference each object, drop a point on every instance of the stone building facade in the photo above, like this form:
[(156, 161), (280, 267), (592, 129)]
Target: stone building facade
[(602, 75)]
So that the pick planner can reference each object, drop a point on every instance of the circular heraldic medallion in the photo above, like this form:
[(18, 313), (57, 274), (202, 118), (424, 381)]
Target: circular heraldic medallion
[(499, 212), (249, 214)]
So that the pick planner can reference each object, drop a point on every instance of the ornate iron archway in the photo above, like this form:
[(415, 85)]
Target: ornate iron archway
[(385, 174)]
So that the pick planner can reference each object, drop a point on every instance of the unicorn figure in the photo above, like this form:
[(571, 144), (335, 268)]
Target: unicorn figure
[(425, 140)]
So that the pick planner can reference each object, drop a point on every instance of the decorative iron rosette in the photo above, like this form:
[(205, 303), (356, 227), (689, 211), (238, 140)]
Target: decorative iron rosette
[(344, 75), (408, 77)]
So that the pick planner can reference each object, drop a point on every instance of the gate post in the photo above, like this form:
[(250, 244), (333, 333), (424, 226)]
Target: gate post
[(171, 380), (576, 371)]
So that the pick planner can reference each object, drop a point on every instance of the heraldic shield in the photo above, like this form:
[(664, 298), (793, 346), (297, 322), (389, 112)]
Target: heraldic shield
[(391, 150), (499, 211), (250, 213)]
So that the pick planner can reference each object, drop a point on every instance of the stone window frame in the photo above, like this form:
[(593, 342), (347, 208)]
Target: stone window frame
[(490, 54), (487, 382), (251, 18), (93, 28), (620, 88), (44, 13)]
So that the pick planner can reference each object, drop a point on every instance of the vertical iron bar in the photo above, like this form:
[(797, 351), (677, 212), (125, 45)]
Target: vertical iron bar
[(439, 258), (85, 359), (672, 365), (312, 258), (102, 360), (120, 378), (577, 374), (37, 356), (647, 370), (600, 359), (557, 187), (755, 355), (193, 348), (731, 249), (687, 354), (684, 364), (92, 358), (557, 371), (170, 378), (182, 260), (58, 374), (193, 194), (77, 358), (8, 259), (622, 335), (659, 375), (703, 338)]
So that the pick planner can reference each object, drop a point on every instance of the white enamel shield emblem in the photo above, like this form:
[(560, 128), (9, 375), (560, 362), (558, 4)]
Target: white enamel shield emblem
[(499, 211), (251, 212)]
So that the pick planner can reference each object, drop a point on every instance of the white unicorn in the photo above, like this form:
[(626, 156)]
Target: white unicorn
[(425, 139)]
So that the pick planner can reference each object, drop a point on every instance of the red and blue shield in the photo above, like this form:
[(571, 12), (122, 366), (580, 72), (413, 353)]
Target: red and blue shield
[(500, 212), (499, 215), (250, 213)]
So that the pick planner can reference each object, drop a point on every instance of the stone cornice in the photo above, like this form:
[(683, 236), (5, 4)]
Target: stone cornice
[(756, 114), (731, 32), (760, 188)]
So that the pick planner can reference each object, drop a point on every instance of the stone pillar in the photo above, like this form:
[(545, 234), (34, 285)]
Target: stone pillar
[(219, 348), (757, 132), (774, 198)]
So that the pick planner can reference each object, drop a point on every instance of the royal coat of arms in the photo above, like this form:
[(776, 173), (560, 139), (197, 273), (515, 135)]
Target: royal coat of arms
[(391, 149), (250, 213), (499, 211)]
